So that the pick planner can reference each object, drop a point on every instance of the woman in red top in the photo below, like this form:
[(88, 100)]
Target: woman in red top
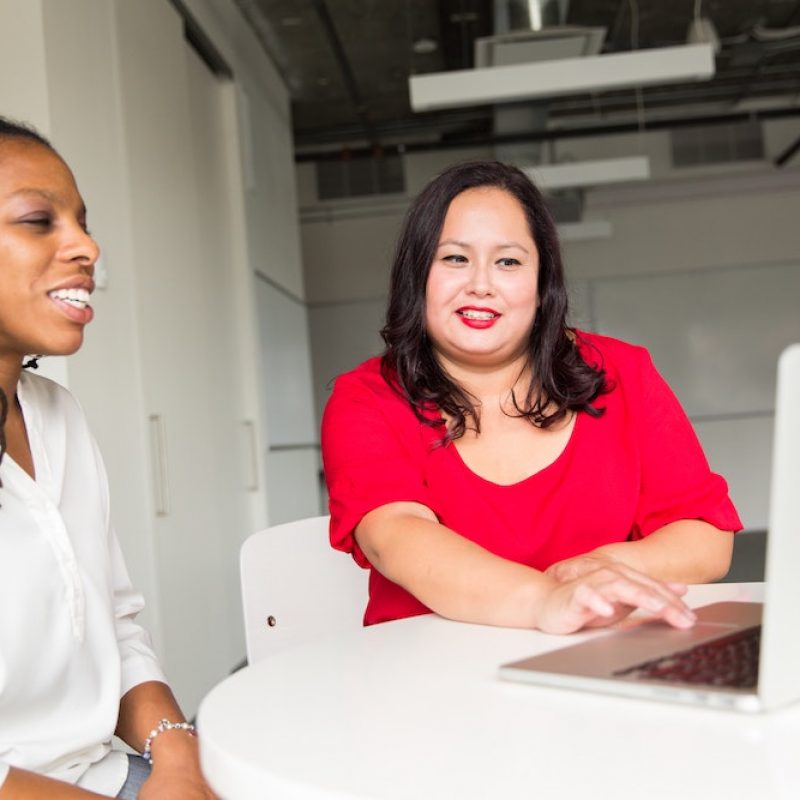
[(496, 466)]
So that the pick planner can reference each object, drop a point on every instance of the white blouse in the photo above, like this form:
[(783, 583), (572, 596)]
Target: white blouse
[(69, 645)]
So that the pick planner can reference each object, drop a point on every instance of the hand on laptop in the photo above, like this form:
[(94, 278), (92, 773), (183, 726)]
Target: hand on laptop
[(595, 591), (571, 568)]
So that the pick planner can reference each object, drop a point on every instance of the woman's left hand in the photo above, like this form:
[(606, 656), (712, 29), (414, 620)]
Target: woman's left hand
[(571, 568), (176, 771), (576, 567), (175, 783)]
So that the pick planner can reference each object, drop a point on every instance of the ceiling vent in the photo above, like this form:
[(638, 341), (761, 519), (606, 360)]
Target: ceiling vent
[(342, 178), (717, 144), (548, 44)]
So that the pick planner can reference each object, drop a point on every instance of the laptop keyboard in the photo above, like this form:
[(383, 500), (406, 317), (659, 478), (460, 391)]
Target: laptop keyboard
[(731, 661)]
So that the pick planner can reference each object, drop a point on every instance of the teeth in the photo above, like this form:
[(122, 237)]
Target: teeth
[(471, 313), (79, 298)]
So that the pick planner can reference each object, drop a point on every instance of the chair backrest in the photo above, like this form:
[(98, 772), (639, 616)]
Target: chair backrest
[(295, 587)]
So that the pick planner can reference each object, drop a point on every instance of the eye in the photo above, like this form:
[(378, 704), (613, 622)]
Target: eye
[(508, 263), (455, 258), (43, 221)]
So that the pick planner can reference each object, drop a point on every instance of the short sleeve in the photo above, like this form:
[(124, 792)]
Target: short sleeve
[(676, 481), (372, 450)]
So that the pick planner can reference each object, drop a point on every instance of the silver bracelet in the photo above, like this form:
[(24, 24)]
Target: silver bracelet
[(164, 725)]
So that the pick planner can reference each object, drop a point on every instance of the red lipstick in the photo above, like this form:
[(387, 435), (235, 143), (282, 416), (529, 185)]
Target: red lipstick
[(478, 317)]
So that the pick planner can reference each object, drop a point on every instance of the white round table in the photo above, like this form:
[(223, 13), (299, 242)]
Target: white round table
[(414, 709)]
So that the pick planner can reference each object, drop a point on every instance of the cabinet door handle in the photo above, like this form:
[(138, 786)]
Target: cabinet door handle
[(251, 484), (158, 447)]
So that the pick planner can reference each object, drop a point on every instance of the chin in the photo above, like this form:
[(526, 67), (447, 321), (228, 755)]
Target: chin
[(63, 348)]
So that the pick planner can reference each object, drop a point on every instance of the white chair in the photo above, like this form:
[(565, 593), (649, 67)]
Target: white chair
[(295, 587)]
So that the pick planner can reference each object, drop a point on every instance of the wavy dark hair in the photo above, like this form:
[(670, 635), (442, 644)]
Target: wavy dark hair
[(10, 129), (561, 381)]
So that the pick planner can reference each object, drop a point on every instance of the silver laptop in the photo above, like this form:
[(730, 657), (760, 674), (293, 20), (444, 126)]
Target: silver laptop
[(743, 656)]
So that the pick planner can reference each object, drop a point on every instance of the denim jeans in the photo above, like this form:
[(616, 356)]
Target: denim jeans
[(138, 773)]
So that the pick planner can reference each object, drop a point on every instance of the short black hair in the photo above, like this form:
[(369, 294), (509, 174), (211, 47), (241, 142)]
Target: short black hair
[(10, 129)]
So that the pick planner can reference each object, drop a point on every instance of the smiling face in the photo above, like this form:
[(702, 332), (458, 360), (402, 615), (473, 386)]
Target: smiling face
[(481, 293), (46, 255)]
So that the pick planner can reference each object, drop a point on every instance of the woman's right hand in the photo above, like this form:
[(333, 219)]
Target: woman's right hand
[(608, 594)]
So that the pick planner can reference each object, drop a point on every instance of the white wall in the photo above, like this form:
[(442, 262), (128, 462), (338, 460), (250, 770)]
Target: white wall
[(710, 285), (703, 266), (292, 452)]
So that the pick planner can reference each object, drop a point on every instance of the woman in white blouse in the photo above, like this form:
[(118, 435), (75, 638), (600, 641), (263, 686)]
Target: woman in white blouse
[(75, 668)]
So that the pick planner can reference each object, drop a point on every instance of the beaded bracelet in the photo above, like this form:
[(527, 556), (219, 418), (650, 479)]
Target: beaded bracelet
[(164, 725)]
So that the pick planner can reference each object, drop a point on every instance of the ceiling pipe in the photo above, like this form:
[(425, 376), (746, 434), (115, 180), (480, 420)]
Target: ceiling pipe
[(554, 134)]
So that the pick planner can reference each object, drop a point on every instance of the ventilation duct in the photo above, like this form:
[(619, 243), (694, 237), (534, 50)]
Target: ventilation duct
[(529, 31)]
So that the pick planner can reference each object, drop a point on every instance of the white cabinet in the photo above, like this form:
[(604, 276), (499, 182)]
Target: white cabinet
[(190, 341)]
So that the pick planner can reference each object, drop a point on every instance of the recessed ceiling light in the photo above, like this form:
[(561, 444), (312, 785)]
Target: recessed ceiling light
[(425, 46)]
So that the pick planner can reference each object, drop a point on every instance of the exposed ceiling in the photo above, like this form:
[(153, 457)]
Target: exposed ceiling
[(347, 63)]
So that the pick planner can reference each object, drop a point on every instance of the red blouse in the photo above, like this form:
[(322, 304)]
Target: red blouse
[(621, 476)]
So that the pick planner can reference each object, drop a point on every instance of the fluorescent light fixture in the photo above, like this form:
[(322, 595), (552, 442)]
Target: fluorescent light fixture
[(589, 173), (584, 231), (508, 84)]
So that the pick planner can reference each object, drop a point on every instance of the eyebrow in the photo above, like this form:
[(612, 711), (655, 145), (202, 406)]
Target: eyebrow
[(46, 195), (466, 246), (38, 192)]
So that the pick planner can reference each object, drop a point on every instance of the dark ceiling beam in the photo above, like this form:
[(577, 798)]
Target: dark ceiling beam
[(775, 49), (609, 129), (348, 76)]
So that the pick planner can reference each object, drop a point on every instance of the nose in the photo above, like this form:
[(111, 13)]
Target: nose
[(81, 248), (480, 280)]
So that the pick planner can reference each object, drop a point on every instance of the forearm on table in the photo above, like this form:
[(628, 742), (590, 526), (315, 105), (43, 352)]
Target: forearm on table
[(175, 753), (21, 784), (140, 710), (450, 574), (689, 551)]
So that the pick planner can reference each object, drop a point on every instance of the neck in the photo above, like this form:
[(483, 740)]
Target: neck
[(10, 369), (488, 382)]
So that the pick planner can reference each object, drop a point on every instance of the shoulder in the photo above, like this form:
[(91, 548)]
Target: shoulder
[(56, 419), (366, 383), (616, 357), (363, 400), (47, 396)]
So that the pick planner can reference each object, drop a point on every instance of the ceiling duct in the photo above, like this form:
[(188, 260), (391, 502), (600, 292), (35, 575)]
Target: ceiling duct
[(533, 30), (527, 31), (534, 60)]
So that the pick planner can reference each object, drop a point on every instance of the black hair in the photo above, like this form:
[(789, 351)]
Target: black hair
[(20, 131), (10, 129), (561, 381)]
